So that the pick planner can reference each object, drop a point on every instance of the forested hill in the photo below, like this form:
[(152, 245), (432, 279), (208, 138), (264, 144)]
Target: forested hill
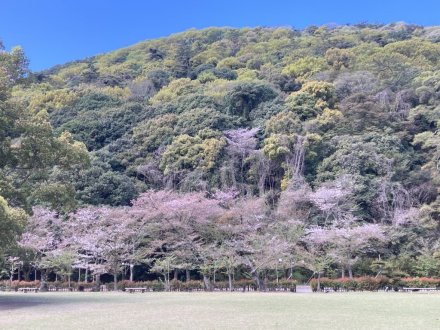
[(256, 111)]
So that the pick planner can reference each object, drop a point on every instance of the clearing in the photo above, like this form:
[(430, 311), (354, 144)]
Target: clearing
[(219, 310)]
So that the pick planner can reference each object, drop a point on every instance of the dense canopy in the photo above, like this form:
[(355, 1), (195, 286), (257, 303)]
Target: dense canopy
[(324, 140)]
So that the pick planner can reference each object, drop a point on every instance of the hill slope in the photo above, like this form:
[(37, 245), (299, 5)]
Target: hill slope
[(256, 110)]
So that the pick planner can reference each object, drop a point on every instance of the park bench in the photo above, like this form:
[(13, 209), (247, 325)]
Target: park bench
[(26, 290), (55, 288), (419, 289), (131, 290)]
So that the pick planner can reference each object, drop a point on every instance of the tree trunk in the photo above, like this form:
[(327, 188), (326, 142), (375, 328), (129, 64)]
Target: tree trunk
[(176, 274), (319, 281), (11, 277), (27, 275), (131, 272), (86, 276), (43, 282), (97, 286), (350, 272), (79, 275), (115, 281), (206, 283), (167, 280), (188, 275), (258, 281), (343, 272), (230, 281), (69, 279)]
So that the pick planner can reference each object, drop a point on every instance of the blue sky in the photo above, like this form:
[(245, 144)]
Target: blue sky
[(54, 32)]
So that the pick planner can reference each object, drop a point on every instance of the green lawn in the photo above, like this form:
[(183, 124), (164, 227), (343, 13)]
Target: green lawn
[(219, 311)]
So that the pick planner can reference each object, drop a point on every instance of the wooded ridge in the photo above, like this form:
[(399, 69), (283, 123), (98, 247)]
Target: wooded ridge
[(248, 150)]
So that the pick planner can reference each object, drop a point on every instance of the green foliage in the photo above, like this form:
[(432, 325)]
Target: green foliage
[(198, 119), (338, 58), (358, 103), (334, 128), (285, 122), (187, 153), (312, 99), (29, 151), (355, 284), (99, 184), (155, 132), (305, 67), (12, 222), (244, 97), (278, 146)]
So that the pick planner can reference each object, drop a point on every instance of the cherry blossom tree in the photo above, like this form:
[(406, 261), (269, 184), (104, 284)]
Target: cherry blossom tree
[(179, 223), (86, 234), (334, 199), (345, 244), (350, 243), (42, 235), (229, 260), (102, 238), (253, 236)]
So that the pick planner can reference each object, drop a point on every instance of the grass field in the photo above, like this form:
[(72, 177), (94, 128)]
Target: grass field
[(219, 311)]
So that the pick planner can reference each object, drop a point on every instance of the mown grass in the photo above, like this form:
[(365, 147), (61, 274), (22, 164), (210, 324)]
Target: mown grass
[(219, 311)]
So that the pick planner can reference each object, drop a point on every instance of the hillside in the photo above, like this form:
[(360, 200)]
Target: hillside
[(326, 124), (183, 111)]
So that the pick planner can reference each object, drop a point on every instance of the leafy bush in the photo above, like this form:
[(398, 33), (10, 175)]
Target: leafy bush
[(282, 285), (356, 284), (15, 285), (420, 282)]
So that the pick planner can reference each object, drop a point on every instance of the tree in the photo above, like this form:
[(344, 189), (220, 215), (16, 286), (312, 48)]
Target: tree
[(12, 222), (14, 264), (188, 153), (253, 237), (181, 225), (305, 67), (311, 99), (228, 150), (29, 149), (393, 69), (334, 199), (241, 144), (164, 266), (61, 261), (229, 260), (338, 58), (244, 97), (345, 243), (104, 237), (43, 234), (13, 67)]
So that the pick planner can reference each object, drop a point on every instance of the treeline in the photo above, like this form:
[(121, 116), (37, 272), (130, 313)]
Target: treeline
[(211, 237), (168, 113), (334, 127), (218, 236)]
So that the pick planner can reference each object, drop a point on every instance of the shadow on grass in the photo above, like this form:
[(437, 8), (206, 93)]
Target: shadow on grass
[(12, 301)]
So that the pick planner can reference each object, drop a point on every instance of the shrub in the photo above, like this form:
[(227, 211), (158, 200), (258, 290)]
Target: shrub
[(245, 284), (18, 284), (419, 282), (150, 285), (222, 285), (282, 285), (356, 284), (190, 286)]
